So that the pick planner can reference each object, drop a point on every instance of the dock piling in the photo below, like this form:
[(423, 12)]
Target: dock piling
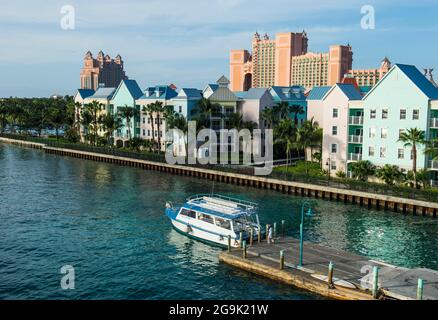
[(229, 243), (420, 289), (375, 282), (251, 235), (259, 234), (275, 230), (330, 276), (244, 249), (281, 259), (240, 238), (267, 230)]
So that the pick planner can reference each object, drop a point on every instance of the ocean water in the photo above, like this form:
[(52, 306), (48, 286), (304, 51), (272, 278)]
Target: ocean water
[(108, 223)]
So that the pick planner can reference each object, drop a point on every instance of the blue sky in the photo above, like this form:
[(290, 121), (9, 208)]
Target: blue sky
[(188, 42)]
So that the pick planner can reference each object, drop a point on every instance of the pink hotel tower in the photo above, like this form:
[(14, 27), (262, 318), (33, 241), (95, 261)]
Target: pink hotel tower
[(285, 61)]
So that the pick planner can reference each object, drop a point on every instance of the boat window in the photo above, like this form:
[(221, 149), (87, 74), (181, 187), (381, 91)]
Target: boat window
[(205, 217), (239, 225), (188, 213), (222, 223)]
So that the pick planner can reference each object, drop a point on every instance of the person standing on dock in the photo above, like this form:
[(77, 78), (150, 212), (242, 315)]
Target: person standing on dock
[(270, 235)]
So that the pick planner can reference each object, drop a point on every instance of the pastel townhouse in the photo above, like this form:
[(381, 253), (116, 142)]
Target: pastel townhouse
[(186, 101), (103, 96), (294, 96), (315, 104), (226, 99), (403, 99), (336, 132), (79, 99), (252, 103), (149, 131), (126, 95)]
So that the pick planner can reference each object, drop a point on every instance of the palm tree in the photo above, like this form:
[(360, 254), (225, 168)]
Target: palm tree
[(412, 138), (4, 112), (57, 119), (361, 170), (432, 148), (282, 110), (86, 119), (160, 111), (110, 124), (149, 110), (94, 109), (204, 111), (308, 136), (269, 116), (389, 174), (296, 110), (128, 113), (285, 136)]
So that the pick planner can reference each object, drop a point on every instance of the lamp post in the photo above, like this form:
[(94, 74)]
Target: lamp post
[(304, 205), (329, 165)]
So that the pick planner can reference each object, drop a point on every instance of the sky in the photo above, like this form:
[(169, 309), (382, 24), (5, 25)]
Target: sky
[(188, 42)]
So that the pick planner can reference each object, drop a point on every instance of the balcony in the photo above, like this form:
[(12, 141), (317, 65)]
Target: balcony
[(355, 139), (433, 164), (355, 120), (349, 174), (434, 183), (354, 156), (434, 123)]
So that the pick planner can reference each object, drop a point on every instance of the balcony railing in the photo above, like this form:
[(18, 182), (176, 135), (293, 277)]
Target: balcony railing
[(355, 139), (355, 120), (434, 183), (349, 174), (433, 164), (354, 156), (434, 123)]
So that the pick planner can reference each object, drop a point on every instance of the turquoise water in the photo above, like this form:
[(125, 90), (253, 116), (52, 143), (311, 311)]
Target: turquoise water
[(108, 222)]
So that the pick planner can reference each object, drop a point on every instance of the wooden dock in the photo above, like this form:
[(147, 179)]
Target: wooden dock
[(352, 276)]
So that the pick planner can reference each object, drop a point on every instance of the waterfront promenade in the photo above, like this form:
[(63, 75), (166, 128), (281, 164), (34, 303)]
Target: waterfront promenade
[(364, 199), (352, 274)]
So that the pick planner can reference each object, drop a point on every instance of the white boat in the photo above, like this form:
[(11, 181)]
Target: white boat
[(213, 218)]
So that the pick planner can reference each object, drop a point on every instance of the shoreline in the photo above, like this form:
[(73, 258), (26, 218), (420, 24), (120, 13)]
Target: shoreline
[(363, 199)]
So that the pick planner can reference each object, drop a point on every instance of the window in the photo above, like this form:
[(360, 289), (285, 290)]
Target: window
[(335, 130), (333, 166), (402, 114), (416, 114), (180, 109), (400, 132), (149, 133), (144, 120), (188, 213), (385, 114), (335, 113), (149, 120), (371, 151), (382, 152), (401, 153), (372, 132), (334, 148), (384, 133), (144, 132), (373, 114), (222, 223), (205, 217)]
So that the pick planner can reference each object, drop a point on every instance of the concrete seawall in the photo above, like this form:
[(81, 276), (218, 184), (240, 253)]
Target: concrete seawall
[(363, 199)]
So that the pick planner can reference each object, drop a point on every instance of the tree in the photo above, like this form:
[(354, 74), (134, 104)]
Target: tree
[(204, 111), (149, 111), (4, 112), (389, 174), (363, 169), (285, 137), (296, 109), (413, 138), (128, 113), (94, 109), (308, 136), (110, 124), (86, 119), (269, 116), (57, 117), (136, 144), (282, 110), (432, 148)]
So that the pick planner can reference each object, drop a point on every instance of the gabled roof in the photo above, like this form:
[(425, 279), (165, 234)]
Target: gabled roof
[(416, 77), (293, 93), (103, 93), (132, 87), (318, 93), (189, 93), (85, 93), (159, 92), (349, 90), (255, 93), (223, 94)]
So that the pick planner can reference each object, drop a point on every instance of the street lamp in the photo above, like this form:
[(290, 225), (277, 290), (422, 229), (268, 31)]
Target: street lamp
[(309, 213), (329, 165)]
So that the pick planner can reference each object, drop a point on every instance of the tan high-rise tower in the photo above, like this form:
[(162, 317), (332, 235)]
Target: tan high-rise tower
[(102, 71)]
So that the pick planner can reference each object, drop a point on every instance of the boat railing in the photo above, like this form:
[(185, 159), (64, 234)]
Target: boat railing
[(235, 200)]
